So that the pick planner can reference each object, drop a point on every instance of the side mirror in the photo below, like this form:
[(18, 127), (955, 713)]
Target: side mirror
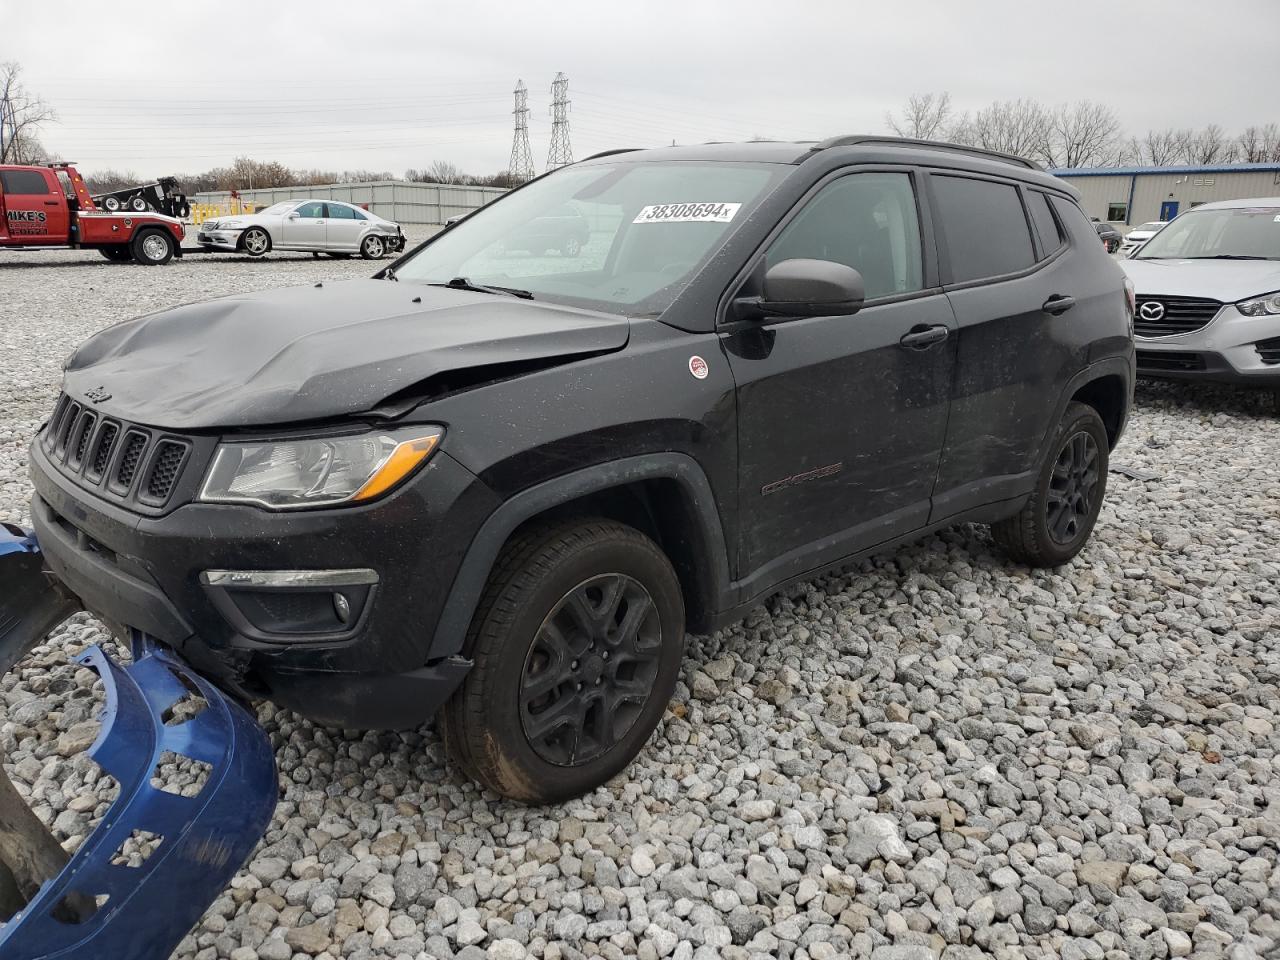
[(295, 215), (805, 288)]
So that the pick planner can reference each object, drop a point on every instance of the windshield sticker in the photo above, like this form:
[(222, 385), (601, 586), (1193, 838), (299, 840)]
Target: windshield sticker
[(688, 213)]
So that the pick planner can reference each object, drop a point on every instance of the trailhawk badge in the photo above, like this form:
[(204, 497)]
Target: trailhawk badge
[(698, 367)]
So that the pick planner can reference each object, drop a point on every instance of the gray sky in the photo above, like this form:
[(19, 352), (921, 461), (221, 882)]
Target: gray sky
[(388, 84)]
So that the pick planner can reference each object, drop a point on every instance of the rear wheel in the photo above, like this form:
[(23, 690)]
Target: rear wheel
[(255, 242), (153, 247), (1055, 523), (373, 247), (577, 645)]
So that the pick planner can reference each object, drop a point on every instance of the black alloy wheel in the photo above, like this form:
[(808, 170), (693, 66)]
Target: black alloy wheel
[(590, 669), (1072, 486), (1055, 522)]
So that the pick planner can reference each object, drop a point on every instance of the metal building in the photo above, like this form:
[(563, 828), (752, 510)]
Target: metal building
[(1128, 196), (398, 200)]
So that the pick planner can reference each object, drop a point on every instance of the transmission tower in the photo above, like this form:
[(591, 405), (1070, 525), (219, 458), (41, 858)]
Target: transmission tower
[(561, 152), (521, 165)]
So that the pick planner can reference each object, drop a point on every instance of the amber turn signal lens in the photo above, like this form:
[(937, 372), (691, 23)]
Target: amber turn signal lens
[(403, 461)]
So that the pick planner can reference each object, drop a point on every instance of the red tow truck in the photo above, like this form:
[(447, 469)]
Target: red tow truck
[(48, 205)]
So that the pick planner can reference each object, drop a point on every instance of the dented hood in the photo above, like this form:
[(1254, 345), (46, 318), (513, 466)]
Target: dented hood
[(307, 353)]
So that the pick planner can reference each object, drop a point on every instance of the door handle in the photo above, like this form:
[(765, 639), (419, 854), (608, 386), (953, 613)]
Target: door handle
[(1057, 305), (51, 203), (921, 337)]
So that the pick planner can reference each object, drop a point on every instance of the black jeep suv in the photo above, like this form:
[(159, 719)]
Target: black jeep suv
[(506, 485)]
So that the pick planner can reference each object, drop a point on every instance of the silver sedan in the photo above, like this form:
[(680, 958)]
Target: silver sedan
[(321, 226)]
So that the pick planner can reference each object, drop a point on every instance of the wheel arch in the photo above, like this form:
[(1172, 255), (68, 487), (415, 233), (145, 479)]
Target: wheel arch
[(1108, 395), (666, 496)]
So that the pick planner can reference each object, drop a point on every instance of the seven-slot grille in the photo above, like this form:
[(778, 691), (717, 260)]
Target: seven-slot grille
[(1168, 316), (123, 459)]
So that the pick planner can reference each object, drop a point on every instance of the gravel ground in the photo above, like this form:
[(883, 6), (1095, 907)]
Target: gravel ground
[(935, 754)]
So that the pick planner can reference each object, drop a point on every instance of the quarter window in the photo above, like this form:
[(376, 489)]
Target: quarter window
[(1047, 228), (985, 228), (24, 182), (867, 221)]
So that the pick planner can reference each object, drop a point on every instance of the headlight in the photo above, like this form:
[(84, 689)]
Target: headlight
[(210, 225), (231, 225), (1268, 305), (287, 474)]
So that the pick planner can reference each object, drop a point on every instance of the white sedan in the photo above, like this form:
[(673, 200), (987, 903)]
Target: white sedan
[(321, 226)]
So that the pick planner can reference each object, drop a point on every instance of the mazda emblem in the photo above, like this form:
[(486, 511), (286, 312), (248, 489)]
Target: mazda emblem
[(1151, 310)]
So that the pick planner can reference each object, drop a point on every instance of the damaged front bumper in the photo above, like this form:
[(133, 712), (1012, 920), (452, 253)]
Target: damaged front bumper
[(139, 910)]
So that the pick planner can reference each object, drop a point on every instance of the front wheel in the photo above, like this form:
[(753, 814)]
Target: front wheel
[(373, 247), (1056, 522), (256, 242), (577, 645), (153, 247)]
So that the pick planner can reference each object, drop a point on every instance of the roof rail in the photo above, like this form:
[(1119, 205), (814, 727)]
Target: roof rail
[(857, 139), (610, 153)]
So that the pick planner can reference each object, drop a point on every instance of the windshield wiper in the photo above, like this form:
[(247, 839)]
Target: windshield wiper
[(462, 283), (1229, 256)]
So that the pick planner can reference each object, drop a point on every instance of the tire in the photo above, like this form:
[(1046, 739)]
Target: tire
[(1056, 522), (137, 204), (572, 247), (116, 253), (183, 210), (256, 242), (545, 619), (110, 204), (373, 247), (153, 247)]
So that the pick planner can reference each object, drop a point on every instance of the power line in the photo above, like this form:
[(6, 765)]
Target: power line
[(521, 165), (561, 152)]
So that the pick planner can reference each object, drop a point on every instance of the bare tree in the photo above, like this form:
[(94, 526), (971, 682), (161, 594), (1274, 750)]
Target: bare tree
[(927, 116), (1082, 134), (1209, 145), (1158, 148), (1259, 144), (1020, 127), (28, 113), (106, 181)]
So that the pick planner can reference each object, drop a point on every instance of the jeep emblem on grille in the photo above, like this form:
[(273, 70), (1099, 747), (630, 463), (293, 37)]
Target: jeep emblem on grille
[(97, 394), (1151, 310)]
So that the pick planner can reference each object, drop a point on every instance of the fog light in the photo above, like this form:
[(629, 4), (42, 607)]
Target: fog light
[(342, 607)]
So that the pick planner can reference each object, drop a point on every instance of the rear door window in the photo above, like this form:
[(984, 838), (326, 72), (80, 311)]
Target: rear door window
[(984, 226), (24, 182), (338, 212), (1046, 224)]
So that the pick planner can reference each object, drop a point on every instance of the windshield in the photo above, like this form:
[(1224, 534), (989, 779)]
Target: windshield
[(280, 207), (622, 237), (1151, 227), (1243, 233)]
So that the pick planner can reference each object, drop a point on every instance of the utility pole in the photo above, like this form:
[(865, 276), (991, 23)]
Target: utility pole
[(521, 165), (561, 152)]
